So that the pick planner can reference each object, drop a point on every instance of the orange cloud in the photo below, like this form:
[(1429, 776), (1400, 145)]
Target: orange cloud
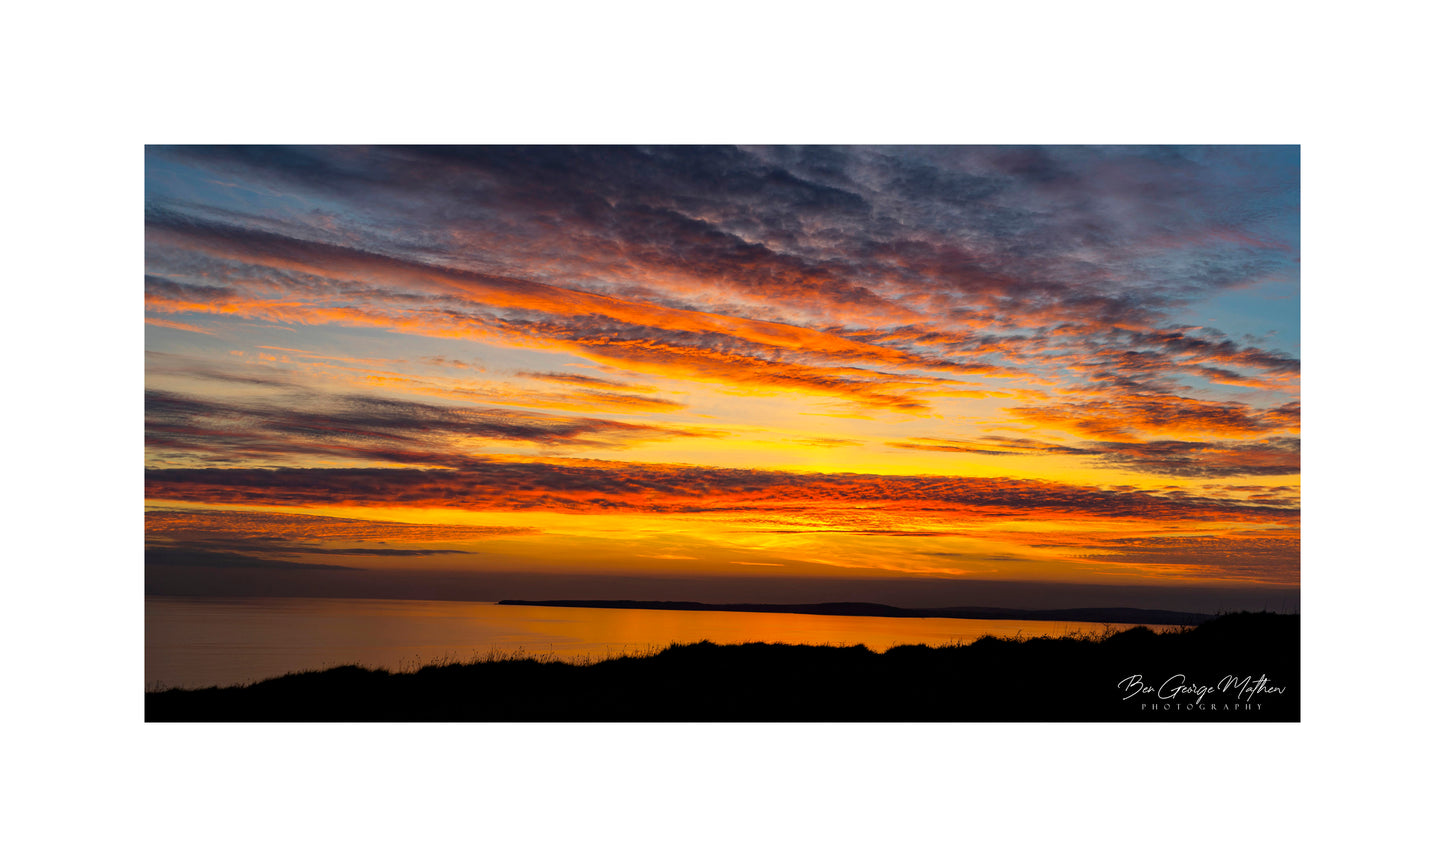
[(614, 487), (179, 326), (1124, 416), (192, 523)]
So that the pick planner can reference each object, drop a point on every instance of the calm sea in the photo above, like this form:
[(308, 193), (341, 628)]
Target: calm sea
[(197, 642)]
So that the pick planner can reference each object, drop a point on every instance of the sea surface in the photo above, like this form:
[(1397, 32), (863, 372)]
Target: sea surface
[(208, 641)]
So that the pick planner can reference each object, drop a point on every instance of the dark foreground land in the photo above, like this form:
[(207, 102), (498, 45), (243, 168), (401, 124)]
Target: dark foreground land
[(1236, 668)]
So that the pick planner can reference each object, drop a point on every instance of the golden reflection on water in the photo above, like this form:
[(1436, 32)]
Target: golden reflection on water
[(207, 641)]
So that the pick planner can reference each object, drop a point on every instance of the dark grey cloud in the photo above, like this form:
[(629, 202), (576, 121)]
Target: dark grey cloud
[(377, 429), (166, 364), (1273, 456), (1253, 557), (624, 487), (193, 558), (269, 550), (991, 243), (579, 379), (1000, 231)]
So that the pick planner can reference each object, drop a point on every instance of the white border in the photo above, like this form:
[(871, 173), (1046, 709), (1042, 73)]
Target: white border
[(97, 84)]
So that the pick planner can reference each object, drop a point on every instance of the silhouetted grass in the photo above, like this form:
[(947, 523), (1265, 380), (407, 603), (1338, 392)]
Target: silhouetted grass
[(1071, 678)]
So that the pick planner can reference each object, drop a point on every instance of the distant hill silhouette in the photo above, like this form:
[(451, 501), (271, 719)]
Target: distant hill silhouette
[(870, 609), (992, 679)]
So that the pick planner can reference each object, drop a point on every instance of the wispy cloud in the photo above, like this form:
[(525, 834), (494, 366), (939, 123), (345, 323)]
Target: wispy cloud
[(199, 524), (1273, 557), (1276, 456), (1077, 313), (496, 485), (368, 428)]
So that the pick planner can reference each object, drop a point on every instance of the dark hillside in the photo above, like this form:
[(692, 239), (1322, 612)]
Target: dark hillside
[(1039, 680)]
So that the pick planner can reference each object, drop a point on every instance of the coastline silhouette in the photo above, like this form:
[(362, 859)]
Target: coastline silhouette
[(1240, 667), (1152, 616)]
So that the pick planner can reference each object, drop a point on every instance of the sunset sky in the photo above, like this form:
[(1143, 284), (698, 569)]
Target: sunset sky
[(1034, 377)]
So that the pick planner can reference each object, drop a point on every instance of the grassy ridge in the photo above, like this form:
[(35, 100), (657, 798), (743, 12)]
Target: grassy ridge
[(1040, 679)]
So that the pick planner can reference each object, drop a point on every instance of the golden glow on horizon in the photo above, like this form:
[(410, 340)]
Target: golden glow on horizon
[(836, 395)]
